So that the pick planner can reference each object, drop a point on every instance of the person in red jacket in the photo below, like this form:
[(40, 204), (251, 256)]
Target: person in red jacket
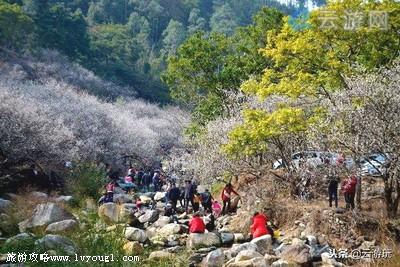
[(226, 197), (259, 226), (349, 190), (196, 224)]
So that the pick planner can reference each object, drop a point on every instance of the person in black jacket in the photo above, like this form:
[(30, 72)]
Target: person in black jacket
[(188, 195), (147, 180), (173, 195)]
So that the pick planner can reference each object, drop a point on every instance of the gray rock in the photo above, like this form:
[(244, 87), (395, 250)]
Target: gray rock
[(239, 238), (203, 240), (312, 240), (7, 224), (160, 255), (57, 242), (4, 205), (263, 243), (247, 255), (327, 260), (62, 226), (227, 239), (64, 199), (39, 195), (236, 248), (43, 215), (149, 216), (205, 250), (162, 221), (283, 263), (159, 196), (170, 229), (135, 234), (254, 262), (174, 249), (196, 258), (296, 253), (109, 213), (20, 238), (215, 258), (122, 198)]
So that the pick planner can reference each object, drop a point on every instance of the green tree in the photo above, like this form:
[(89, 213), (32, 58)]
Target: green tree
[(14, 25), (223, 20), (173, 36), (196, 22), (109, 11), (207, 67)]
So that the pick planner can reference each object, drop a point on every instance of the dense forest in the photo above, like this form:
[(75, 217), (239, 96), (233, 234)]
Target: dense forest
[(124, 41)]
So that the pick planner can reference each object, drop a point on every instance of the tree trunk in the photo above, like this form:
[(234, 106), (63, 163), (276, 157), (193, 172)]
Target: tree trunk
[(358, 193), (392, 195)]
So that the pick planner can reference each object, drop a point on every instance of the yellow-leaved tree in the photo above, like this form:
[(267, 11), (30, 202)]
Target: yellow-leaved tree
[(339, 40)]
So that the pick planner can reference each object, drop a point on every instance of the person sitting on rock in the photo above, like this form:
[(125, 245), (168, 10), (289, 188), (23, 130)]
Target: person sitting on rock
[(210, 222), (196, 224), (216, 208), (110, 187), (170, 212), (259, 225), (138, 203), (128, 183), (133, 221)]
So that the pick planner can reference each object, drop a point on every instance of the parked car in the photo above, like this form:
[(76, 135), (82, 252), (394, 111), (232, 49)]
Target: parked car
[(374, 164), (312, 158)]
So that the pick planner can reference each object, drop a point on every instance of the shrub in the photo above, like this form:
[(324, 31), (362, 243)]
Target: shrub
[(85, 180)]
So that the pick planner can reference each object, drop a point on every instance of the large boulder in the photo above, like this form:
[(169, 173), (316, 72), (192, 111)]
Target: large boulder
[(135, 234), (62, 226), (263, 243), (329, 261), (283, 263), (39, 195), (214, 259), (64, 199), (162, 221), (125, 211), (160, 255), (122, 198), (132, 248), (4, 205), (236, 248), (23, 238), (254, 262), (7, 224), (170, 229), (227, 239), (296, 253), (109, 213), (247, 255), (58, 243), (145, 199), (159, 196), (203, 240), (43, 215), (149, 216)]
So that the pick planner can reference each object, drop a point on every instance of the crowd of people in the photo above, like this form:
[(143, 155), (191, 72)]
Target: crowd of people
[(179, 197), (185, 197)]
